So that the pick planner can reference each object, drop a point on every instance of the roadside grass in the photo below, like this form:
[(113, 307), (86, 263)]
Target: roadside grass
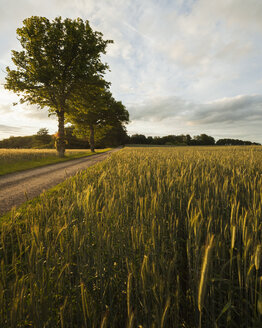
[(14, 160), (18, 213)]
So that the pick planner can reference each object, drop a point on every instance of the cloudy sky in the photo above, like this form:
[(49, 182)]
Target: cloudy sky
[(179, 66)]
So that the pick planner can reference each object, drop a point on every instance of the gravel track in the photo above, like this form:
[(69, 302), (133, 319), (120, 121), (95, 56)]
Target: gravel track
[(16, 188)]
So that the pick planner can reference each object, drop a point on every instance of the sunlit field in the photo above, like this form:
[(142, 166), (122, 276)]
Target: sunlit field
[(152, 237), (12, 160)]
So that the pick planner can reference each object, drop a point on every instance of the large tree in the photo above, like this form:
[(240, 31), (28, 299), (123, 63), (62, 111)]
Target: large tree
[(95, 113), (57, 57)]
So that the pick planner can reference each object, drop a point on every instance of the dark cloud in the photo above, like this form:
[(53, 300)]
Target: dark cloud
[(226, 110), (29, 111), (10, 129), (229, 110), (159, 109)]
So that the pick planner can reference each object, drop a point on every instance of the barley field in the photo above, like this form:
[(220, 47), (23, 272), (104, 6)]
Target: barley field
[(152, 237), (11, 155), (12, 160)]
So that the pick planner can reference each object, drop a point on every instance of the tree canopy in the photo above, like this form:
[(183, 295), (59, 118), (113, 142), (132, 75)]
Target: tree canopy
[(57, 58)]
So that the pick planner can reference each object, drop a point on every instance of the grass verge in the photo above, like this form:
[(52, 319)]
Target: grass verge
[(21, 164)]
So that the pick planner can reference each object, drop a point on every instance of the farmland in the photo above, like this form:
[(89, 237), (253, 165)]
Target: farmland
[(152, 237), (12, 160)]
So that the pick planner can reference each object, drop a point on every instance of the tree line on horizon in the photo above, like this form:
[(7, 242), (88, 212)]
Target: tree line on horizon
[(43, 140), (186, 140), (115, 137)]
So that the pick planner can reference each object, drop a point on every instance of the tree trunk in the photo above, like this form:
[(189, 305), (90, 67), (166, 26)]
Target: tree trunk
[(60, 142), (92, 139)]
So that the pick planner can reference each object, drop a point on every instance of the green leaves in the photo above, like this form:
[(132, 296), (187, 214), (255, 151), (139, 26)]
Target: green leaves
[(58, 57), (95, 108)]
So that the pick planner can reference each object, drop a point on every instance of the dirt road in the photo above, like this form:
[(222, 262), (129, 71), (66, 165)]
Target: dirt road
[(16, 188)]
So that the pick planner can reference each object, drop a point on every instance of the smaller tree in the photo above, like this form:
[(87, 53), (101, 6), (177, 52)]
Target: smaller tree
[(95, 113), (72, 142), (42, 138)]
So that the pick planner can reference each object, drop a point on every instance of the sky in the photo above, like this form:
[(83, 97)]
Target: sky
[(179, 66)]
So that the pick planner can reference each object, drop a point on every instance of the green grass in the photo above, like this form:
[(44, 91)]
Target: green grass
[(23, 159), (162, 237)]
